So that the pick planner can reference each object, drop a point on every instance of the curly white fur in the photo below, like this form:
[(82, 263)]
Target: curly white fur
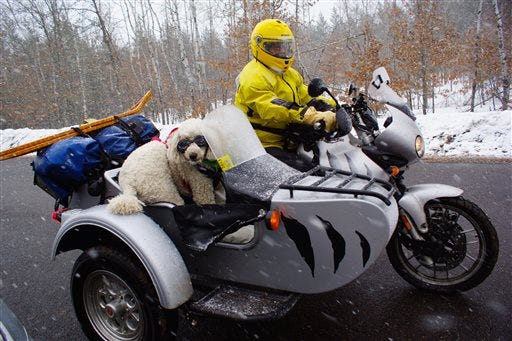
[(145, 179), (187, 178)]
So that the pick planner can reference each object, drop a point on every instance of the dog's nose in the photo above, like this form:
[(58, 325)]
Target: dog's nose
[(192, 156)]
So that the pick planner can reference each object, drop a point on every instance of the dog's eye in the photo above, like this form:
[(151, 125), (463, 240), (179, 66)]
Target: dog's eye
[(200, 141), (183, 145)]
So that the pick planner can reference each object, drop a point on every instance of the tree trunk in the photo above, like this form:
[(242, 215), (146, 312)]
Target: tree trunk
[(107, 38), (80, 72), (183, 55), (433, 101), (112, 53), (199, 57), (505, 77), (477, 56), (424, 82), (163, 52)]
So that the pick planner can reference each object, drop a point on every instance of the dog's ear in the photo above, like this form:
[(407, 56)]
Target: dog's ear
[(174, 131), (175, 138)]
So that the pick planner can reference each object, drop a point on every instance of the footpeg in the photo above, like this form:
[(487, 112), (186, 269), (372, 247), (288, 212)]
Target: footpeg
[(245, 304)]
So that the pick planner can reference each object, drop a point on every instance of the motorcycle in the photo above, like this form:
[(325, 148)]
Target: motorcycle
[(310, 232), (443, 242)]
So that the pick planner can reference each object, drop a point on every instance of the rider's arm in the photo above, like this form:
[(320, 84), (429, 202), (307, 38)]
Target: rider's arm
[(271, 109)]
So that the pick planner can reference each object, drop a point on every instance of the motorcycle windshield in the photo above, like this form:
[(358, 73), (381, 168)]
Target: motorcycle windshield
[(379, 90), (231, 137)]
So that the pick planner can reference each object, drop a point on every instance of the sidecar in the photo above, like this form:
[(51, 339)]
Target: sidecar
[(309, 233)]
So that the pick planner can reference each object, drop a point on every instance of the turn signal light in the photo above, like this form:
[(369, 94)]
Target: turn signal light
[(394, 170), (274, 220), (406, 222), (57, 214)]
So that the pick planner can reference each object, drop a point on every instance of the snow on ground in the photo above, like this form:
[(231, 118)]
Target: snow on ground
[(485, 134), (448, 132)]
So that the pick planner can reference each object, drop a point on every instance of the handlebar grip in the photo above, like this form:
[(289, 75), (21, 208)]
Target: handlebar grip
[(343, 121)]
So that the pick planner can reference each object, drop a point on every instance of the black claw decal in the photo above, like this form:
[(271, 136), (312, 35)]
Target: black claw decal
[(300, 236), (366, 248), (337, 242)]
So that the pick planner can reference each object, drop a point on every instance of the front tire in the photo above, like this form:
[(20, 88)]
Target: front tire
[(114, 298), (459, 250)]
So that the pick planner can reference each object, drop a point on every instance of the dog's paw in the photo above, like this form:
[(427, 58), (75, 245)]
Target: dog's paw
[(124, 204)]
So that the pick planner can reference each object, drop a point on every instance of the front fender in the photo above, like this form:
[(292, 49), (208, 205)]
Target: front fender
[(142, 236), (417, 196)]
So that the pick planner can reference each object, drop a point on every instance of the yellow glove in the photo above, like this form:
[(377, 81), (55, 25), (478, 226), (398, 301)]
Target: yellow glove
[(311, 116)]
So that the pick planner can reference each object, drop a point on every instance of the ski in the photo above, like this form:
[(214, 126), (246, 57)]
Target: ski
[(74, 131)]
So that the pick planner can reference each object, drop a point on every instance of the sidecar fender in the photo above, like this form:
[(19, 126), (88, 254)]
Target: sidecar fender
[(137, 233), (417, 196)]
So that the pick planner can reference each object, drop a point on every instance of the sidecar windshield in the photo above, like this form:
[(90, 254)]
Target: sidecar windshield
[(251, 174), (379, 89), (231, 137)]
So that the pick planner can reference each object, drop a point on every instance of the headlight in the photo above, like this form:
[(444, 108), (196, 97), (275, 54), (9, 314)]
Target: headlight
[(420, 146)]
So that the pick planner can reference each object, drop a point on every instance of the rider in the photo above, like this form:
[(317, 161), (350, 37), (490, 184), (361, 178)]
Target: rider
[(273, 94)]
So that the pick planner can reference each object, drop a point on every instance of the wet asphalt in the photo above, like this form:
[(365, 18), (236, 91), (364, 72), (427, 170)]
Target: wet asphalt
[(379, 305)]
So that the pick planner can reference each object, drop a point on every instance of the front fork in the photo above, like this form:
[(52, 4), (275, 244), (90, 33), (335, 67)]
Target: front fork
[(412, 205)]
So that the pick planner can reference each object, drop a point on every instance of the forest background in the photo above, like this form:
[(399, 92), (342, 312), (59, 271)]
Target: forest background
[(64, 60)]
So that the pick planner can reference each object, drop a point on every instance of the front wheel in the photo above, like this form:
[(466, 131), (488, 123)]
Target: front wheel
[(114, 298), (458, 252)]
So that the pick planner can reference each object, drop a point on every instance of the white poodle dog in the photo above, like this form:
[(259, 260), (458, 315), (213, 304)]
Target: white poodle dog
[(145, 178), (187, 150), (159, 172)]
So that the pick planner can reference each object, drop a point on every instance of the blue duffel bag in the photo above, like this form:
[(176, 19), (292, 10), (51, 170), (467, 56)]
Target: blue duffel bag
[(125, 136), (81, 160), (68, 164)]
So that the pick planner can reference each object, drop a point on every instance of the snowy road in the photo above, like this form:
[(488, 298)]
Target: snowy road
[(379, 305)]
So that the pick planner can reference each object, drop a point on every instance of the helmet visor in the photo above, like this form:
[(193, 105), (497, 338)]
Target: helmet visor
[(279, 48)]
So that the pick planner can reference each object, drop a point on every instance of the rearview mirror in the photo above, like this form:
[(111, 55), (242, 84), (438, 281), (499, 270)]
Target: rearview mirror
[(352, 89), (316, 87)]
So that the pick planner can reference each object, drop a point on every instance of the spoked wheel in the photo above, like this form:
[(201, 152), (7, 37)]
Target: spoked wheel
[(458, 252), (115, 300)]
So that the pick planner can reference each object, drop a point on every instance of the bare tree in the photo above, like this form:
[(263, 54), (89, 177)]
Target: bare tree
[(189, 75), (199, 60), (113, 53), (505, 74), (476, 55)]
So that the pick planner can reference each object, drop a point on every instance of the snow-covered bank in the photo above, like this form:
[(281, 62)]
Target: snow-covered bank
[(447, 133), (467, 134)]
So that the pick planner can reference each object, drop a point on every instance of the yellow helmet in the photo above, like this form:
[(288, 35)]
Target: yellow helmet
[(272, 43)]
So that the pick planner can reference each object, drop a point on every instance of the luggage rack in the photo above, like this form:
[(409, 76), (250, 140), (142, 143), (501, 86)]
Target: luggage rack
[(340, 188)]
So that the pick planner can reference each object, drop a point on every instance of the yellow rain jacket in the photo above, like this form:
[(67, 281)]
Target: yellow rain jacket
[(271, 100)]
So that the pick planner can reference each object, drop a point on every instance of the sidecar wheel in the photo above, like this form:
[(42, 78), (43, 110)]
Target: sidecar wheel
[(114, 298), (459, 251)]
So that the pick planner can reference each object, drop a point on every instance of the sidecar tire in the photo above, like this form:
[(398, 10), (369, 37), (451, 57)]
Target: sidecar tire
[(114, 298), (487, 252)]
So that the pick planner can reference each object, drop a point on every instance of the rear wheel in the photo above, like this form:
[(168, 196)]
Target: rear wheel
[(114, 298), (458, 252)]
